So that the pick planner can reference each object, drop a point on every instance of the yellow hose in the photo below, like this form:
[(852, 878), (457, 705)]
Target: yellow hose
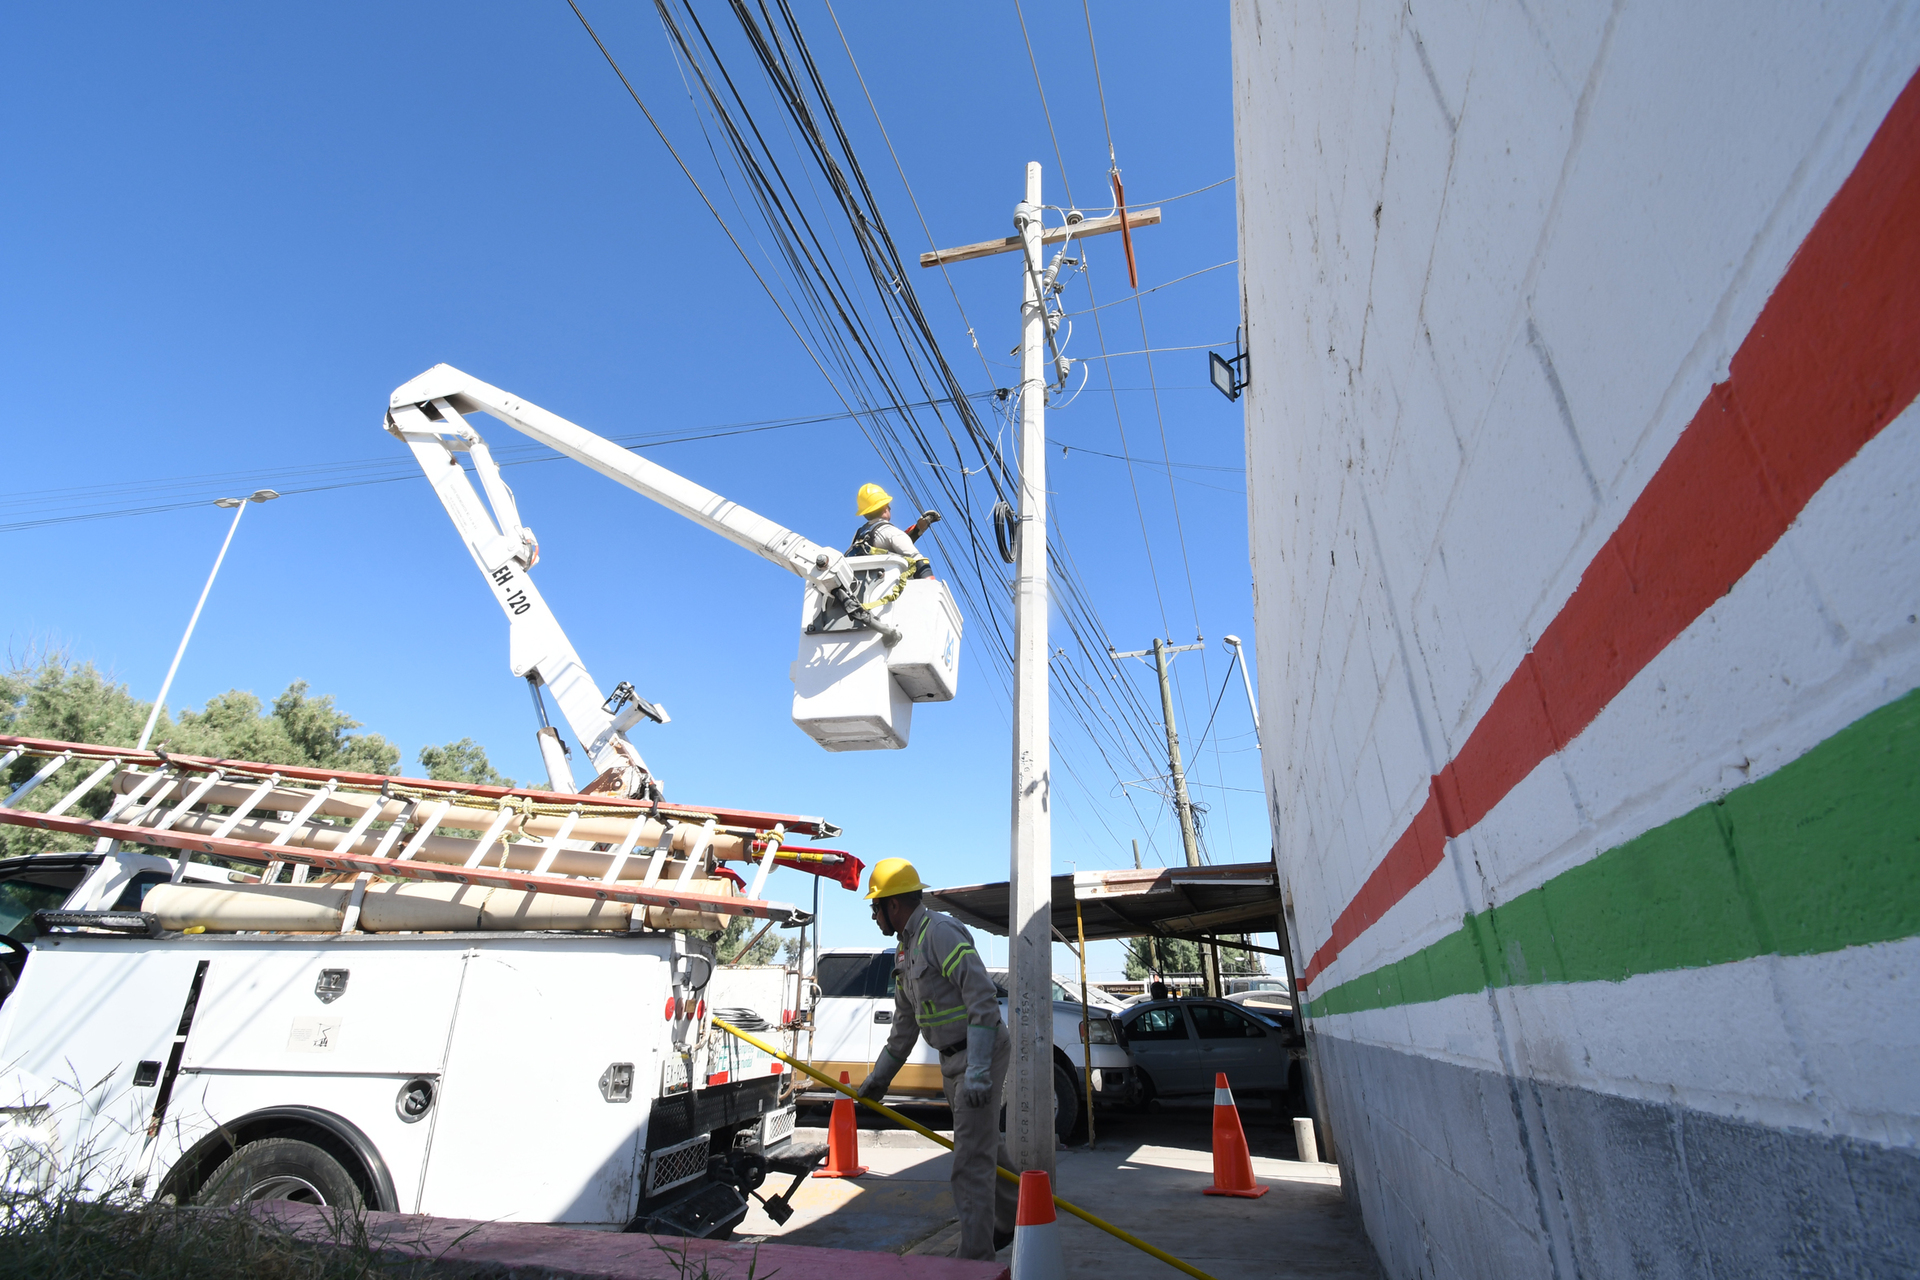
[(925, 1132)]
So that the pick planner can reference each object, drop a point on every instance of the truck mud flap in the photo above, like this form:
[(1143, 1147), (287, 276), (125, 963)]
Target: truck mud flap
[(706, 1211)]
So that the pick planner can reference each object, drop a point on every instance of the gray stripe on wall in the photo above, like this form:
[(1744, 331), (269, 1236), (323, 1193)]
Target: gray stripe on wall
[(1470, 1174)]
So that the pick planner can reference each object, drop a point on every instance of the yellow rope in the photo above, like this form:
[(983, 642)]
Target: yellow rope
[(925, 1132)]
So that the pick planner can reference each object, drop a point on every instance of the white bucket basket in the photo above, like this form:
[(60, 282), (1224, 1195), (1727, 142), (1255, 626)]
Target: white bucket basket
[(850, 691)]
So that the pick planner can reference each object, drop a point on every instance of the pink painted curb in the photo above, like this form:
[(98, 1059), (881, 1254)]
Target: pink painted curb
[(613, 1256)]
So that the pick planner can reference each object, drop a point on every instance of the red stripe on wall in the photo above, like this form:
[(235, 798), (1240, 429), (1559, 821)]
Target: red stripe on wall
[(1833, 358)]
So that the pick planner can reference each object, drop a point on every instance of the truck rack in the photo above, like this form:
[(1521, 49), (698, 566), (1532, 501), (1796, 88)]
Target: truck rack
[(600, 847)]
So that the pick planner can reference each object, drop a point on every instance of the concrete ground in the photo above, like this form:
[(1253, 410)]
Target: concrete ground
[(1145, 1174)]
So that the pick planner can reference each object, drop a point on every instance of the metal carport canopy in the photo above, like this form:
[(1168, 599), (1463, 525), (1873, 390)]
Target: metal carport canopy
[(1164, 902)]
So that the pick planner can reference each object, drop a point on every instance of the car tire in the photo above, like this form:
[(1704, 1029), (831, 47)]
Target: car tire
[(1296, 1095), (1066, 1103), (282, 1169)]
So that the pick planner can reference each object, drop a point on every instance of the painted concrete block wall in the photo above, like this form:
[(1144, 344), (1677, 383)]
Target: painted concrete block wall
[(1585, 521)]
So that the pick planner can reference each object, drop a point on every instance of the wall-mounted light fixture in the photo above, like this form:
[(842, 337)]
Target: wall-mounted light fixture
[(1230, 376)]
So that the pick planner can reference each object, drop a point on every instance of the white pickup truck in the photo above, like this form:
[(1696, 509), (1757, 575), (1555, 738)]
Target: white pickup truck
[(853, 1015)]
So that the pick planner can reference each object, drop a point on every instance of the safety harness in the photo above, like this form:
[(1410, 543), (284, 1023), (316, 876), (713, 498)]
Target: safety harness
[(863, 545)]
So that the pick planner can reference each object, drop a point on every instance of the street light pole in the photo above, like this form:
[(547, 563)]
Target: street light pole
[(239, 506), (1246, 678)]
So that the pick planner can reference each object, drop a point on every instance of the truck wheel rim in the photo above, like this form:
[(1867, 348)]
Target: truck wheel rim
[(285, 1187)]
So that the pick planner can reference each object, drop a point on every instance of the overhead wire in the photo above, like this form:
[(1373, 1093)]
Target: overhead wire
[(849, 330), (394, 467), (1159, 413)]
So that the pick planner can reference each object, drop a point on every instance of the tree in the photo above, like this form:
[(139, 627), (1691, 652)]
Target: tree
[(728, 940), (462, 761), (1177, 955), (48, 695)]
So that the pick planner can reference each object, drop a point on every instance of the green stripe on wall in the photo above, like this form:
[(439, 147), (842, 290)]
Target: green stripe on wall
[(1819, 855)]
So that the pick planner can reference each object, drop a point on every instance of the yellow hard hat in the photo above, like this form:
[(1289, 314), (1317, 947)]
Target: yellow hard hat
[(893, 876), (870, 499)]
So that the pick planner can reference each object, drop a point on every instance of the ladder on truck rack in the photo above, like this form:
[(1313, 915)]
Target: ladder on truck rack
[(299, 820)]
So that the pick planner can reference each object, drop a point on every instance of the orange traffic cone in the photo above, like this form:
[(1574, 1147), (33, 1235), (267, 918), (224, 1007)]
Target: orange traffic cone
[(1232, 1166), (843, 1141), (1036, 1236)]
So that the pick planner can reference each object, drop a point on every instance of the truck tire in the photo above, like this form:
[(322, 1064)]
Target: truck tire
[(281, 1169)]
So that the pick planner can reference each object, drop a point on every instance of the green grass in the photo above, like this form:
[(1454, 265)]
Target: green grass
[(79, 1240)]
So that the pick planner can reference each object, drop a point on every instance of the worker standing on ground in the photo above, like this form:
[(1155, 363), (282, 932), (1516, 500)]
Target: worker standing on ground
[(880, 536), (942, 991)]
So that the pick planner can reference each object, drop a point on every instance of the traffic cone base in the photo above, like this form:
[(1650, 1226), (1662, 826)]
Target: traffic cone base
[(843, 1140), (1232, 1165), (1036, 1233)]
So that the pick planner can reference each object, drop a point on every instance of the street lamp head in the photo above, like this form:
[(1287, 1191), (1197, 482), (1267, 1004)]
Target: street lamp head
[(228, 502), (1232, 640), (263, 495)]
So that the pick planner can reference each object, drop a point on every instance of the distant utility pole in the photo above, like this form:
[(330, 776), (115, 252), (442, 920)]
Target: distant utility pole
[(1154, 963), (1030, 1102), (1189, 836)]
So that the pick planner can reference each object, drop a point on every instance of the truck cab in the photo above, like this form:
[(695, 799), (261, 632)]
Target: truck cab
[(853, 1015), (36, 882)]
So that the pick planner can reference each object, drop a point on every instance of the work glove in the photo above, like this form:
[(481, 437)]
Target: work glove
[(927, 520), (874, 1087), (977, 1089)]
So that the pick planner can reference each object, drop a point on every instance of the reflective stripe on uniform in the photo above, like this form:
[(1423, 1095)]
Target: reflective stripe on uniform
[(930, 1016), (954, 958)]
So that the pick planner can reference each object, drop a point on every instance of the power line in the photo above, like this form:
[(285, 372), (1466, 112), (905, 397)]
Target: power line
[(1034, 62), (397, 468), (1157, 288)]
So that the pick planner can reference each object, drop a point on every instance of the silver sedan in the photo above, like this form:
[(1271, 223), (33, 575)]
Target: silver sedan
[(1179, 1045)]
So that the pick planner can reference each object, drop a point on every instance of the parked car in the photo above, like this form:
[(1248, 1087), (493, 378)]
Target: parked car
[(1179, 1045), (853, 1014)]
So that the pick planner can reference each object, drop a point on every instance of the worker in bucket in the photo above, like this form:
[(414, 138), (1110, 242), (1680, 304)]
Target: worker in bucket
[(880, 536), (942, 992)]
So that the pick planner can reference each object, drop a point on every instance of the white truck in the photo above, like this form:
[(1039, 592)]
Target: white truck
[(853, 1015), (509, 1024), (412, 995)]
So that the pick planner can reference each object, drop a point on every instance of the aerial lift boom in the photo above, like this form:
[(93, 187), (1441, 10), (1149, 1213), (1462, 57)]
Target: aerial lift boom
[(872, 643)]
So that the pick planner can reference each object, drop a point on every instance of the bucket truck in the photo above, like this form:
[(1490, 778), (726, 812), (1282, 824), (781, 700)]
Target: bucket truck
[(872, 642)]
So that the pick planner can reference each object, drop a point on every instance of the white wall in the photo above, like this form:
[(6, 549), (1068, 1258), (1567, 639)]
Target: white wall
[(1494, 256)]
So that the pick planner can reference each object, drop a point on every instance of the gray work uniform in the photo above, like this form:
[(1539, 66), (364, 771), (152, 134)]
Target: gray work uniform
[(941, 987), (890, 537)]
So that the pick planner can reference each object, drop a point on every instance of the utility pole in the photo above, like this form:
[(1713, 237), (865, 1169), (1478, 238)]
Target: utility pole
[(1154, 963), (1162, 651), (1030, 1102), (1030, 1138)]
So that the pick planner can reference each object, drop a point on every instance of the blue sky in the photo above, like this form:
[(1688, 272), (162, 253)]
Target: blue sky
[(229, 232)]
